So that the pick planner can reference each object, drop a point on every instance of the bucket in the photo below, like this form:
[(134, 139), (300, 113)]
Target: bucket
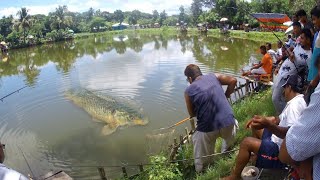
[(250, 173)]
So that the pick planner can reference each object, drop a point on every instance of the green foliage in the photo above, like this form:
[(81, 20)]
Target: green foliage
[(161, 170), (163, 17), (119, 16), (306, 4), (170, 21), (5, 25), (58, 35), (196, 9), (210, 17), (13, 38), (97, 23)]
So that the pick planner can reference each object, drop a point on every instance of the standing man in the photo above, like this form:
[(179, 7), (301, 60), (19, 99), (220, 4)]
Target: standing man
[(296, 63), (206, 100), (303, 19)]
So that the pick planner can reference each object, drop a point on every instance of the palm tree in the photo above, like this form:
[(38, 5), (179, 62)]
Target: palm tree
[(60, 20), (24, 21)]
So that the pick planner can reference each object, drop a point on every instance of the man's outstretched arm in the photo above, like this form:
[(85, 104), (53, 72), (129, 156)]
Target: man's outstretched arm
[(230, 81)]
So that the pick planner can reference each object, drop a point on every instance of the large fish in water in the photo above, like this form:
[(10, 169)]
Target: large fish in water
[(106, 109)]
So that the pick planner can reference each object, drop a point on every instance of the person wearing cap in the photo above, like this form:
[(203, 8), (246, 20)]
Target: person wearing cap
[(269, 132), (298, 62), (7, 173), (206, 100)]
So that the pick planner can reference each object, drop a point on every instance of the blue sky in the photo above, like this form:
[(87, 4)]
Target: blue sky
[(8, 7)]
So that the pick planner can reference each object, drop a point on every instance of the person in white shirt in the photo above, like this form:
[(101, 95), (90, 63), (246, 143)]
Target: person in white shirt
[(279, 50), (271, 52), (269, 132), (298, 61), (7, 173)]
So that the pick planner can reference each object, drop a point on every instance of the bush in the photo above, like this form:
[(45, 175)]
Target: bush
[(161, 170)]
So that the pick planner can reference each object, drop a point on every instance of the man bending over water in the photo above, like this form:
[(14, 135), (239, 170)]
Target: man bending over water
[(206, 100)]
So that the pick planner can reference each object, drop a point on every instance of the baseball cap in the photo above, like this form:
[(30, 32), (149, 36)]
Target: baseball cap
[(294, 81)]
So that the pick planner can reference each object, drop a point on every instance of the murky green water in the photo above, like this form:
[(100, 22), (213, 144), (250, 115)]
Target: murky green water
[(143, 70)]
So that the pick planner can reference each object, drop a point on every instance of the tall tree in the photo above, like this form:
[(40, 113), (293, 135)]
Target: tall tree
[(163, 16), (59, 18), (5, 25), (155, 15), (182, 14), (196, 9), (135, 16), (90, 14), (119, 16), (24, 22)]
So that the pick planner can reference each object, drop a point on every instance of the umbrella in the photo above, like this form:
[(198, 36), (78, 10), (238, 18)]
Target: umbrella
[(289, 30), (70, 31), (223, 19), (3, 43), (288, 23), (30, 37)]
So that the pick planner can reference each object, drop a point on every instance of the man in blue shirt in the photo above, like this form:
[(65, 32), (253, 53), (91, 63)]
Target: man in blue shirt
[(206, 100)]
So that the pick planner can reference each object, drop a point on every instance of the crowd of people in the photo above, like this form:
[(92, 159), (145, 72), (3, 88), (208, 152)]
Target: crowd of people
[(290, 138)]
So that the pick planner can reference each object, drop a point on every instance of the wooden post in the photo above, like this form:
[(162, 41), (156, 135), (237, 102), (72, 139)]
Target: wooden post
[(141, 168), (193, 126), (181, 140), (239, 93), (187, 133), (247, 86), (102, 173), (124, 171)]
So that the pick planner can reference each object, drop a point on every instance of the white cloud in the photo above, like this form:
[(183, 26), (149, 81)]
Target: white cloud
[(171, 7)]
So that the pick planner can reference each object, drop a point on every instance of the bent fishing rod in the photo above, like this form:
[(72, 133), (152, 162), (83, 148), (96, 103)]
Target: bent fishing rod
[(16, 91)]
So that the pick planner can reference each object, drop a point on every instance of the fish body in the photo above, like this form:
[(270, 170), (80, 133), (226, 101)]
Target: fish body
[(106, 109)]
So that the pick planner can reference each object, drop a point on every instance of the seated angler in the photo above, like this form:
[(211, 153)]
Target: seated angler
[(264, 67), (269, 132)]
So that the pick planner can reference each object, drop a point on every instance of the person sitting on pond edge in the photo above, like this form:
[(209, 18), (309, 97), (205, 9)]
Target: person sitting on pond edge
[(206, 100), (268, 132), (265, 67)]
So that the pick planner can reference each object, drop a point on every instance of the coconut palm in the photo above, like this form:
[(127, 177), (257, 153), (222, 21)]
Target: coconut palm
[(59, 19), (23, 22)]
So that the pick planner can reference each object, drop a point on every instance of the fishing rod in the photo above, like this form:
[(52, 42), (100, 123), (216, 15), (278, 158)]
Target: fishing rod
[(174, 125), (26, 161), (16, 91)]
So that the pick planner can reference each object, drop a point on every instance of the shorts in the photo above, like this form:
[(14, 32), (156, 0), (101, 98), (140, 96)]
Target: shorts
[(267, 156), (260, 70)]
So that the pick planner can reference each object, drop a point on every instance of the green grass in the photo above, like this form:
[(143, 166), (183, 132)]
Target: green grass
[(258, 104), (258, 36)]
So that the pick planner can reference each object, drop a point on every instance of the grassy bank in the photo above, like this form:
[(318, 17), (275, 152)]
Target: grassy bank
[(257, 104)]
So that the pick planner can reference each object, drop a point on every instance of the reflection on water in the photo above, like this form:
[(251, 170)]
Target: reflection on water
[(143, 70)]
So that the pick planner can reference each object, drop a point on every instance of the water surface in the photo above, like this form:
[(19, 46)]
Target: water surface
[(143, 70)]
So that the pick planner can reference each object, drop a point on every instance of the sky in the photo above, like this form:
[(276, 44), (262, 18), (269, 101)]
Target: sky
[(8, 7)]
